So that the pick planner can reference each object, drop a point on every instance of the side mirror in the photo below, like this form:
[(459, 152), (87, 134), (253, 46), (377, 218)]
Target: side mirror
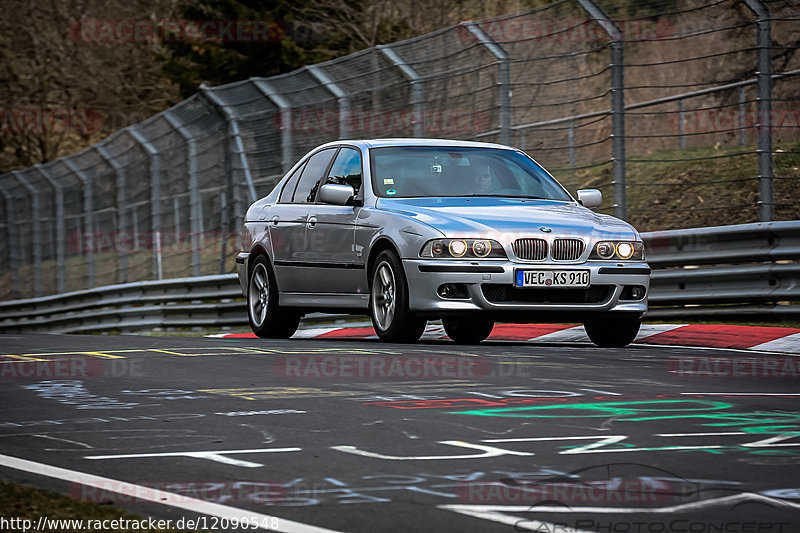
[(336, 194), (590, 198)]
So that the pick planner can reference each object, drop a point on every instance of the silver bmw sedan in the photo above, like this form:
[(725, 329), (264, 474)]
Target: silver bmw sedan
[(411, 230)]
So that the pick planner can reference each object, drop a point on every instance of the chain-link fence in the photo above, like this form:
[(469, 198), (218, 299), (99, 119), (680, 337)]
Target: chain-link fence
[(684, 112)]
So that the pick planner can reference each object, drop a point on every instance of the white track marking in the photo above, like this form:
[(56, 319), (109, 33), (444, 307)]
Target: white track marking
[(495, 512), (789, 344), (574, 334), (209, 455), (648, 330), (487, 451), (157, 496)]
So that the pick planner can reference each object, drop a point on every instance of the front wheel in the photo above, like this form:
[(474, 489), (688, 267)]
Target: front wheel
[(267, 319), (467, 330), (613, 331), (388, 303)]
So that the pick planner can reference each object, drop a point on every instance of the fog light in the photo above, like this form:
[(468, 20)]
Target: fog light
[(637, 292), (446, 291)]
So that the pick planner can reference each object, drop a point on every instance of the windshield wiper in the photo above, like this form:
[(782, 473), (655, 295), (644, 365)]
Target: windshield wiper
[(501, 196)]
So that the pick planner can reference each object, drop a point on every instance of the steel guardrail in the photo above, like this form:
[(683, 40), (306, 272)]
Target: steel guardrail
[(748, 271)]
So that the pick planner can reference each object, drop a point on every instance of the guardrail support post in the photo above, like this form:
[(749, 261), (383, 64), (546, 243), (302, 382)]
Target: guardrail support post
[(87, 218), (342, 99), (195, 217), (417, 90), (61, 227), (766, 196), (13, 248), (503, 78), (155, 199), (122, 207)]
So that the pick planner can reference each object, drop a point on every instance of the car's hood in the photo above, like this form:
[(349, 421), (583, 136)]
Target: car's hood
[(507, 218)]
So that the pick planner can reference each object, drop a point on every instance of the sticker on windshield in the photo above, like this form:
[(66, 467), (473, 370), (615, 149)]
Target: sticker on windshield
[(388, 181), (391, 192)]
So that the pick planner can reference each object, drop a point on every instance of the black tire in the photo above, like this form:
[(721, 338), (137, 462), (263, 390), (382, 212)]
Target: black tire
[(267, 319), (614, 331), (467, 330), (388, 302)]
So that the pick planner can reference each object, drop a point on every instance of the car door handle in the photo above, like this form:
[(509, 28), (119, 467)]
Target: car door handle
[(275, 220), (312, 221)]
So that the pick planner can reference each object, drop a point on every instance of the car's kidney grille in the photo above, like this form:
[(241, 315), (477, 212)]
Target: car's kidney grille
[(567, 249), (530, 249)]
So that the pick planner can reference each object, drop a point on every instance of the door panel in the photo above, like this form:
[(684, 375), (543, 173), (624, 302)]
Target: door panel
[(287, 224), (330, 233)]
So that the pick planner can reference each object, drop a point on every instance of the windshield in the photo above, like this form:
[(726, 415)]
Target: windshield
[(413, 171)]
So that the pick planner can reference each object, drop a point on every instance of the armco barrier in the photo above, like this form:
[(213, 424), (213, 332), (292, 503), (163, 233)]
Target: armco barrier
[(746, 272)]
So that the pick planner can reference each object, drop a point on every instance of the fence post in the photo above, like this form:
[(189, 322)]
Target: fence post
[(571, 142), (681, 127), (417, 90), (742, 117), (617, 103), (503, 78), (87, 218), (13, 248), (285, 112), (155, 199), (122, 207), (61, 227), (342, 99), (37, 233), (766, 200), (194, 193), (234, 135)]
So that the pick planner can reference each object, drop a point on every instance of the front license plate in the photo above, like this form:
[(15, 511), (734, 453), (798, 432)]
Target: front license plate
[(552, 278)]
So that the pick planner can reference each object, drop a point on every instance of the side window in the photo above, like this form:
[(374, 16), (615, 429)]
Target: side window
[(291, 183), (312, 175), (346, 169)]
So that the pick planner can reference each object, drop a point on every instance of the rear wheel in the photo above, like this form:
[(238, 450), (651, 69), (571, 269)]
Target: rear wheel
[(467, 330), (267, 319), (613, 331), (388, 303)]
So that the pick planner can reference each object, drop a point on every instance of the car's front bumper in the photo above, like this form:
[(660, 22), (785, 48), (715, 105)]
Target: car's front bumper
[(489, 287)]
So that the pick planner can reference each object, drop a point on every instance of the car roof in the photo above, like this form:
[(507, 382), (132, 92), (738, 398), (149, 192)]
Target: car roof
[(416, 141)]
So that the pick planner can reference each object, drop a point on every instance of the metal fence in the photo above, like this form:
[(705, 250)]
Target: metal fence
[(637, 99)]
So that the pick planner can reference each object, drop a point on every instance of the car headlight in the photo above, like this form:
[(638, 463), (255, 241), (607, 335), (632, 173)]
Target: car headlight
[(462, 249), (618, 250)]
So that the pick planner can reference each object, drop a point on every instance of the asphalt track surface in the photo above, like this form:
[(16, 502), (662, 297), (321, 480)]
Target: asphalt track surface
[(359, 435)]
